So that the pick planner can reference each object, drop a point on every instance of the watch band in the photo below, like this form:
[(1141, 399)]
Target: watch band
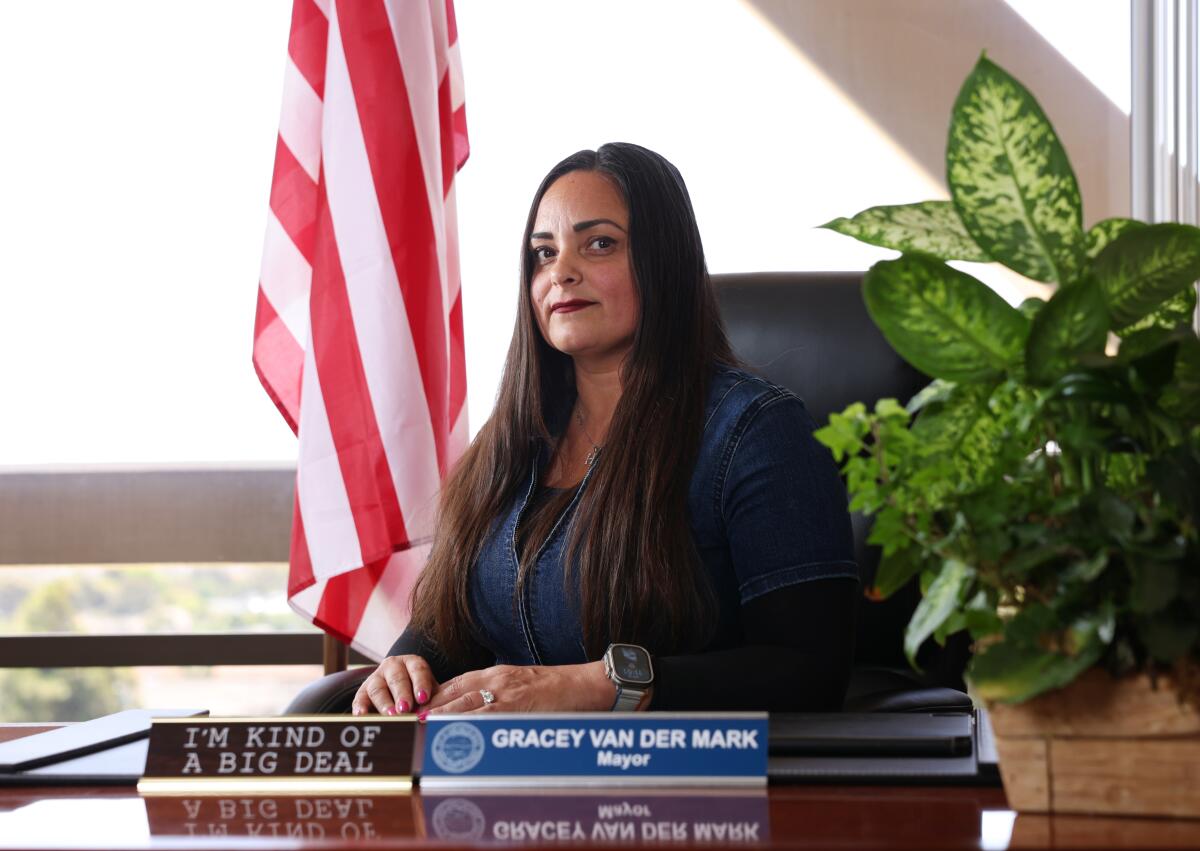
[(627, 699)]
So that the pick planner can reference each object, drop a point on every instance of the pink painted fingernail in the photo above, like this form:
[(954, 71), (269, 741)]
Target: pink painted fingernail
[(391, 710), (421, 716), (403, 706), (422, 696)]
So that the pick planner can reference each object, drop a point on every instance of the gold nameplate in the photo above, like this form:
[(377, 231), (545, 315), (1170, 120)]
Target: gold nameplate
[(293, 754)]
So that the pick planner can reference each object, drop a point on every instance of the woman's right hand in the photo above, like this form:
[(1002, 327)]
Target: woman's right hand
[(400, 684)]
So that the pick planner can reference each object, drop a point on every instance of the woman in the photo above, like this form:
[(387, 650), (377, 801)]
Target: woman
[(633, 486)]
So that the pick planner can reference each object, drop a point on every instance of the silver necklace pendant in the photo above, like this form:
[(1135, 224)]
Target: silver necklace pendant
[(595, 453)]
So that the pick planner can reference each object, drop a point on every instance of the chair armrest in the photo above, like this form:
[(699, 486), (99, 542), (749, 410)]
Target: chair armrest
[(330, 695), (935, 699), (893, 690)]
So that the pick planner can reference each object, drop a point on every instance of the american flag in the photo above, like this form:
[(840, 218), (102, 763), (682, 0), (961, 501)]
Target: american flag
[(358, 337)]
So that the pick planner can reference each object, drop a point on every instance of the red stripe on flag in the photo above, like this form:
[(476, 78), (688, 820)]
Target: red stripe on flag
[(446, 127), (391, 144), (345, 599), (278, 360), (294, 199), (300, 572), (458, 361), (307, 43), (462, 147), (451, 24), (352, 421)]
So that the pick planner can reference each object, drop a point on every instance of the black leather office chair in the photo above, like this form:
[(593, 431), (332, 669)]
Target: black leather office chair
[(810, 332)]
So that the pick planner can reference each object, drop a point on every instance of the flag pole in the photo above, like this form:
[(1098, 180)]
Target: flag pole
[(336, 655)]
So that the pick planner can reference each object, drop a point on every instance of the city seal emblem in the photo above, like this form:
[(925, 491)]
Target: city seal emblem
[(457, 747), (458, 818)]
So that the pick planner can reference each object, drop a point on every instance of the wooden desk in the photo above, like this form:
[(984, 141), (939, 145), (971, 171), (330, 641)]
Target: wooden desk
[(779, 817)]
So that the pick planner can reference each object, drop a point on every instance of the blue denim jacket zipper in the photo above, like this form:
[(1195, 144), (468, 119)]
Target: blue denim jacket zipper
[(523, 604)]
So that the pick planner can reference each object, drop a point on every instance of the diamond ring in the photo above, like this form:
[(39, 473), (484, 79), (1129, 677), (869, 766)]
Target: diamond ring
[(488, 697)]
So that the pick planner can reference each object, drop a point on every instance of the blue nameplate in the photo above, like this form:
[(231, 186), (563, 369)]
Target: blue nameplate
[(634, 748)]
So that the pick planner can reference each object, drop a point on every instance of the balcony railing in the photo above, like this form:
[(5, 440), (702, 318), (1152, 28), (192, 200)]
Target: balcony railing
[(153, 515)]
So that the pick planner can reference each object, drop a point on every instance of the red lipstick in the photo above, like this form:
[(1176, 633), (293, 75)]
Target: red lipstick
[(570, 306)]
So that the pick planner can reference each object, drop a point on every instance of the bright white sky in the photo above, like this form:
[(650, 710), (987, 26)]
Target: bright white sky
[(135, 173)]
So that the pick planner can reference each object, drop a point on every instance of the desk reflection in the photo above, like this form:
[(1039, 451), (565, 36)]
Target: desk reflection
[(792, 817), (526, 817), (291, 817), (644, 818)]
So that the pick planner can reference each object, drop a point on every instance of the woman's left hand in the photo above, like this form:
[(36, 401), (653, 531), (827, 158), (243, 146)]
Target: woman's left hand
[(527, 688)]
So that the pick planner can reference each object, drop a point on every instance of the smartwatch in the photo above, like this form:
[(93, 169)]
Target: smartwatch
[(628, 666)]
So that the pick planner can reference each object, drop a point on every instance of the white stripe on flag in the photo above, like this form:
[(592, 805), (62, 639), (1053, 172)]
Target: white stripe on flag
[(328, 521), (305, 603), (457, 92), (441, 38), (452, 286), (300, 122), (387, 611), (286, 279), (453, 279)]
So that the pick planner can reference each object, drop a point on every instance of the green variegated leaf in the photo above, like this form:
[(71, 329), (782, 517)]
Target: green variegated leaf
[(1073, 322), (955, 623), (1010, 178), (1182, 399), (931, 226), (1138, 344), (1105, 231), (940, 601), (963, 430), (942, 321), (938, 390), (1144, 267), (1093, 387), (1176, 311)]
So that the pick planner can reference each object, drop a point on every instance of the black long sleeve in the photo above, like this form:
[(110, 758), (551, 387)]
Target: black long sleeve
[(799, 647), (416, 643)]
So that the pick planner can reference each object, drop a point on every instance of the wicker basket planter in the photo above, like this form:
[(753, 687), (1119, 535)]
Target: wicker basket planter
[(1102, 746)]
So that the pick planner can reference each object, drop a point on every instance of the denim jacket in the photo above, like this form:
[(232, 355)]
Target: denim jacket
[(767, 510)]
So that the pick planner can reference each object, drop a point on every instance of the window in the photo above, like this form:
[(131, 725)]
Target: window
[(136, 199)]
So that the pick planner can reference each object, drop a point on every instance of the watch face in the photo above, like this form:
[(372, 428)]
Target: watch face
[(631, 663)]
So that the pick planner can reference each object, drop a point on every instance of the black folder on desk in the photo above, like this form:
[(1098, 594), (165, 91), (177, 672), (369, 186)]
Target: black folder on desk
[(872, 733), (881, 748), (105, 751)]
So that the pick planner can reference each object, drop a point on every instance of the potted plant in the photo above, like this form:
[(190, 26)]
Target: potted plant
[(1045, 486)]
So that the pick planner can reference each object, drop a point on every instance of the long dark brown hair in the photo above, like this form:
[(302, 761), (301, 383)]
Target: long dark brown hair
[(640, 578)]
